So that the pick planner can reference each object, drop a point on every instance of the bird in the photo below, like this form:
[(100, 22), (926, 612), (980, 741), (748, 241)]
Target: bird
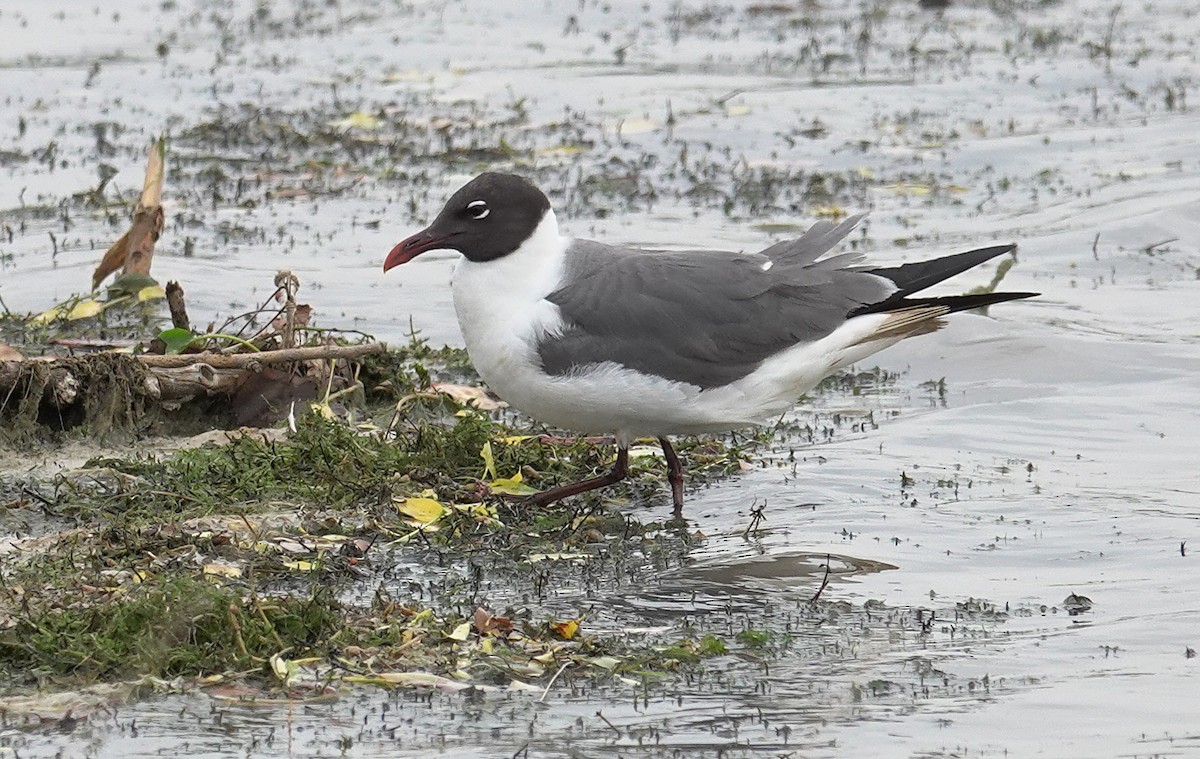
[(638, 343)]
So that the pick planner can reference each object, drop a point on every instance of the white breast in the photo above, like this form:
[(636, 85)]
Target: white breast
[(502, 310)]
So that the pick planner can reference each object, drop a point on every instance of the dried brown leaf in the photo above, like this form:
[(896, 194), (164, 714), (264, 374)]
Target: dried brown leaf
[(469, 395), (486, 624), (114, 259), (302, 317)]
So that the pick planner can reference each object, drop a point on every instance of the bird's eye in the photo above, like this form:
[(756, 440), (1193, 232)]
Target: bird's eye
[(477, 209)]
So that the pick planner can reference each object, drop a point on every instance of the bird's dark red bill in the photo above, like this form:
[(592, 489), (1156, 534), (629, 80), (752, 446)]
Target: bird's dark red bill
[(412, 247)]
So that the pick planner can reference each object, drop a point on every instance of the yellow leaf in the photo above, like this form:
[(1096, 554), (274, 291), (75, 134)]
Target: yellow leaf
[(514, 485), (566, 630), (421, 527), (46, 317), (780, 227), (356, 120), (546, 658), (222, 569), (514, 439), (301, 565), (531, 668), (829, 212), (910, 188), (737, 110), (641, 451), (281, 667), (285, 669), (411, 75), (151, 292), (461, 633), (562, 150), (489, 462), (416, 679), (519, 685), (487, 646), (324, 410), (481, 512), (85, 309), (422, 510), (331, 539), (605, 662)]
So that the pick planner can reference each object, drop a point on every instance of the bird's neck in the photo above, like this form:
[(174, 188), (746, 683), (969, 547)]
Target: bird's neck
[(527, 275), (502, 308)]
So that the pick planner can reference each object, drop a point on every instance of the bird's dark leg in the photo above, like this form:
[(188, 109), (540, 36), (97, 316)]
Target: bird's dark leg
[(674, 474), (619, 472)]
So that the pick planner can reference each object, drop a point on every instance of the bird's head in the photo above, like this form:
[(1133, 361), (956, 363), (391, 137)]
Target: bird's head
[(488, 218)]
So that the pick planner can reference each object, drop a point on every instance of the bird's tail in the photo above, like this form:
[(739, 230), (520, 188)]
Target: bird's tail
[(914, 277)]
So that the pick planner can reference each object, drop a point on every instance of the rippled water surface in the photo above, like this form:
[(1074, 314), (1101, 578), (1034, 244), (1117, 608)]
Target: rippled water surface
[(1060, 459)]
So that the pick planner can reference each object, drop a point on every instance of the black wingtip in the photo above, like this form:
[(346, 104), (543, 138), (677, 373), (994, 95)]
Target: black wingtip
[(960, 302), (914, 277), (981, 300)]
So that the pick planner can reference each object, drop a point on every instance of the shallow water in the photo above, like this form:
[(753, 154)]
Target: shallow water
[(1061, 460)]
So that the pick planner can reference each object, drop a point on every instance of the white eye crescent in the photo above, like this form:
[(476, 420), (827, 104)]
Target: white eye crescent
[(478, 209)]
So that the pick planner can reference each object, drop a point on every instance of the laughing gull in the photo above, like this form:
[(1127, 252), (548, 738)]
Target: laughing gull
[(644, 343)]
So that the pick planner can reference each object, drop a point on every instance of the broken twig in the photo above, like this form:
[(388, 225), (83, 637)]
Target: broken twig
[(263, 358)]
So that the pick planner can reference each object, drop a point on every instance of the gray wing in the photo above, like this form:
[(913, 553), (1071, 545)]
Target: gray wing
[(706, 318)]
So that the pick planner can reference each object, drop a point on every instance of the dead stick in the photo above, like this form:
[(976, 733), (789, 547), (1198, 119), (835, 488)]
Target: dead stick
[(263, 358), (148, 217), (290, 283), (824, 581), (179, 317), (181, 383)]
